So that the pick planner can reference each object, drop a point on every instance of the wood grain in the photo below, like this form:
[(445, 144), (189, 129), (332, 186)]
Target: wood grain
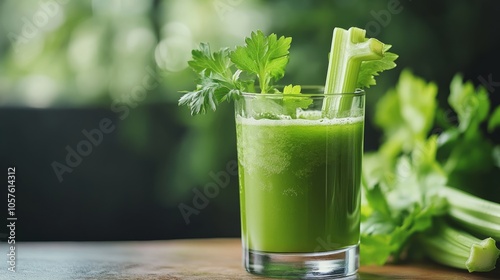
[(174, 259)]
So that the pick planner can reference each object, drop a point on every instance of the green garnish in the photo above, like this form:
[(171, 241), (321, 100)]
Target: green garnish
[(223, 75), (291, 89), (293, 100), (348, 66), (218, 80), (354, 62), (266, 57)]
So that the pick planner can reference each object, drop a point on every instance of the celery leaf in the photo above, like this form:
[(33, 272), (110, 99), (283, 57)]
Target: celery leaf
[(403, 181), (494, 121), (371, 68), (471, 105), (404, 116)]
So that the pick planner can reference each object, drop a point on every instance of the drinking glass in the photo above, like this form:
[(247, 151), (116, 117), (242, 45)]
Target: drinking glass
[(299, 159)]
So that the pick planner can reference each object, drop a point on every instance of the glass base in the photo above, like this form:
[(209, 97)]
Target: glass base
[(321, 265)]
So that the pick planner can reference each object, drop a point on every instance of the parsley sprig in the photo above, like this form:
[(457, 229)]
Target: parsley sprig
[(266, 57), (225, 74)]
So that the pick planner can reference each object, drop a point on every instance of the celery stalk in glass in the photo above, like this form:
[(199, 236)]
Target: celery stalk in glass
[(348, 50)]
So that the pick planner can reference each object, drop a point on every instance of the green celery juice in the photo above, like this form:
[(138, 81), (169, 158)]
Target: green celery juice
[(299, 183)]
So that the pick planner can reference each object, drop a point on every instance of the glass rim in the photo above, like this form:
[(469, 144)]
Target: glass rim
[(305, 92)]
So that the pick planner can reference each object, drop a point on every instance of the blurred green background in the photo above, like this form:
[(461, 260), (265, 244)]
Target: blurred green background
[(65, 66)]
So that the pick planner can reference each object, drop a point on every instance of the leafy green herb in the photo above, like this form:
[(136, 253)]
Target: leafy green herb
[(207, 63), (218, 81), (263, 56), (291, 89), (223, 75), (292, 101)]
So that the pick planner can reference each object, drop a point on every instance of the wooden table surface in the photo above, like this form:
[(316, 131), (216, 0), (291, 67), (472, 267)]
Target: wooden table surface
[(174, 259)]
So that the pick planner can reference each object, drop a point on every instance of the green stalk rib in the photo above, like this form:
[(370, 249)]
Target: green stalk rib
[(459, 249), (349, 48), (476, 214)]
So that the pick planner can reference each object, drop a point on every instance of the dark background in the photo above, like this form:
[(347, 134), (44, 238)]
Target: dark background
[(91, 54)]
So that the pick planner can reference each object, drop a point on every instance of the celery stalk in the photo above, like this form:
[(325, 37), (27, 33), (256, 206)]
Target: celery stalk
[(459, 249), (349, 49), (476, 214)]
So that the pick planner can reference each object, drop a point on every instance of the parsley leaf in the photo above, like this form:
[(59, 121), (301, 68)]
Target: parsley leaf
[(207, 96), (223, 75), (293, 101), (217, 82), (263, 56), (207, 64), (291, 89)]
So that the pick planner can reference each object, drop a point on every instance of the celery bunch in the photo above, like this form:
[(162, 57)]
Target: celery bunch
[(408, 202)]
